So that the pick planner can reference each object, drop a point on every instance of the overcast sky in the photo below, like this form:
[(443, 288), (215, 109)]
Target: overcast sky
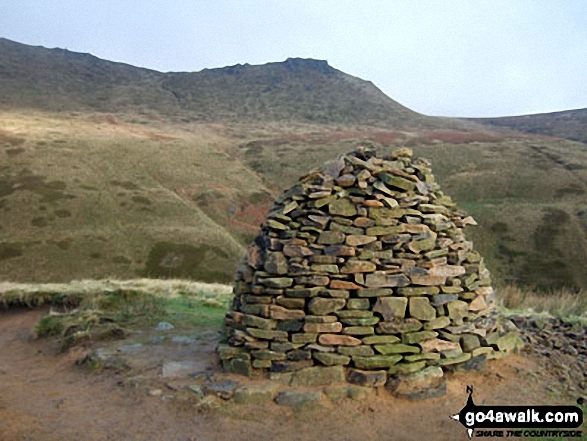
[(451, 58)]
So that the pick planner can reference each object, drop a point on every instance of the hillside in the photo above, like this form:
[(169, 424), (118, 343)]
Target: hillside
[(105, 173), (302, 90), (570, 124)]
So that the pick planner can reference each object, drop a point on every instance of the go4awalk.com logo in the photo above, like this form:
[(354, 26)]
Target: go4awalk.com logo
[(519, 421)]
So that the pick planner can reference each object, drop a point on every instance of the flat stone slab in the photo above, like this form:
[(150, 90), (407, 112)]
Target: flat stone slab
[(179, 369), (318, 376), (131, 348), (427, 383), (336, 393), (256, 393), (223, 389), (367, 378), (296, 398), (183, 339)]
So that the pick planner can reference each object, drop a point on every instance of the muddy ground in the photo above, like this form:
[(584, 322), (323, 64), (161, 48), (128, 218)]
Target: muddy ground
[(45, 396)]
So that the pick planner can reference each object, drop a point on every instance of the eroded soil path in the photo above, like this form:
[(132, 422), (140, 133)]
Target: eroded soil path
[(44, 396)]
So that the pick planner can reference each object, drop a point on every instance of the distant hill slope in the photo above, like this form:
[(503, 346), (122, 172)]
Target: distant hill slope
[(570, 124), (303, 90), (99, 196), (108, 170)]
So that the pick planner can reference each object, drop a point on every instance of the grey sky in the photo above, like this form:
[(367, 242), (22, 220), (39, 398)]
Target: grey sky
[(452, 58)]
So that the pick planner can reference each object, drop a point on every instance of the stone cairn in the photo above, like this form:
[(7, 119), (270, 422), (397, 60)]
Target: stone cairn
[(362, 272)]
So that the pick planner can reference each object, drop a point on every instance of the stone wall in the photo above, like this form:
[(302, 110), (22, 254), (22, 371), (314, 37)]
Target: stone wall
[(363, 264)]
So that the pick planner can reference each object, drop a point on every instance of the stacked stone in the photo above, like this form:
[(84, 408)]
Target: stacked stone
[(363, 264)]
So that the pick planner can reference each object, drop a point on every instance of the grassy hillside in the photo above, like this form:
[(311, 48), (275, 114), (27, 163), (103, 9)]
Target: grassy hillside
[(95, 196), (528, 194), (302, 90), (570, 124), (112, 171)]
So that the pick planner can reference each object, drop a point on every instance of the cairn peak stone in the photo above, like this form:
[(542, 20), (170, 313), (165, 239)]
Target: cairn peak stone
[(363, 268)]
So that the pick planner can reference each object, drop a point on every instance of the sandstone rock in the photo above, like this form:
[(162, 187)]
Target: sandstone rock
[(336, 293), (312, 280), (437, 345), (358, 266), (323, 327), (258, 322), (303, 292), (428, 280), (447, 271), (469, 342), (422, 356), (397, 181), (321, 306), (318, 376), (276, 263), (290, 366), (164, 326), (381, 292), (454, 360), (331, 237), (437, 323), (255, 256), (342, 207), (443, 299), (417, 337), (358, 304), (363, 351), (376, 361), (396, 348), (384, 231), (418, 246), (383, 280), (406, 368), (391, 307), (331, 359), (427, 383), (223, 389), (399, 326), (358, 330), (421, 309), (255, 393), (509, 341), (332, 269), (266, 334), (347, 229), (418, 291), (380, 339), (277, 282), (237, 365), (297, 251), (353, 240), (367, 378), (268, 355), (281, 313), (457, 311), (338, 340), (304, 338), (340, 250), (478, 304)]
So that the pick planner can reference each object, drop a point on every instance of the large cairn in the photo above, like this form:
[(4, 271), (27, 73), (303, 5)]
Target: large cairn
[(363, 264)]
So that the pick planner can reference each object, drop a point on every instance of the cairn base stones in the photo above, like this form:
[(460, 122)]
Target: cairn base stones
[(362, 272)]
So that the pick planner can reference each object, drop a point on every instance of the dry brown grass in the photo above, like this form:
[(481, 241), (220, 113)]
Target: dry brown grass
[(29, 294), (563, 303)]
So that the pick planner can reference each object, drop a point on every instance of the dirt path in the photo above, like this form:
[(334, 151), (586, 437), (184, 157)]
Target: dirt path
[(45, 397)]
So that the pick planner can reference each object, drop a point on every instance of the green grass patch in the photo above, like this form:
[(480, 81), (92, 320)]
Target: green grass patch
[(105, 310)]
